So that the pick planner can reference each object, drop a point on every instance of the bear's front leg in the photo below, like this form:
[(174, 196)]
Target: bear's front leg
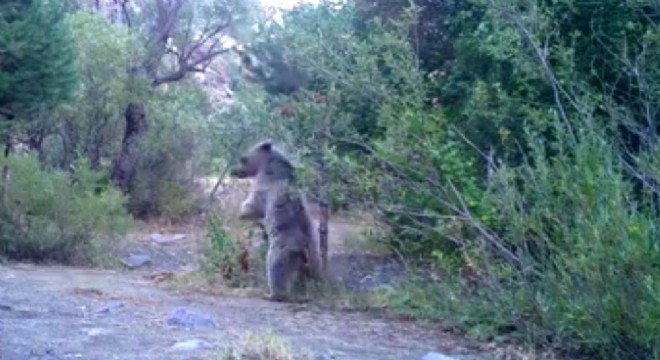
[(250, 210)]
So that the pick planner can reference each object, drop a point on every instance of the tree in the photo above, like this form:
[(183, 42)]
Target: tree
[(37, 57), (89, 124), (429, 35), (180, 37)]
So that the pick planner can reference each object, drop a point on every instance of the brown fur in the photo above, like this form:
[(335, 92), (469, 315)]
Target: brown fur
[(293, 252)]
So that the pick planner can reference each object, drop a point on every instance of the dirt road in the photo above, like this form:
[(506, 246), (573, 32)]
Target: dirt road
[(71, 313)]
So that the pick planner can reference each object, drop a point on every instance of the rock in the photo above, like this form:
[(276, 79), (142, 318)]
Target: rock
[(107, 308), (437, 356), (366, 279), (9, 276), (192, 345), (188, 318), (95, 332), (164, 239), (135, 260)]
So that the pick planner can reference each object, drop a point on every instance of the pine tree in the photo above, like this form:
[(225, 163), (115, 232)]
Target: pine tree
[(37, 57)]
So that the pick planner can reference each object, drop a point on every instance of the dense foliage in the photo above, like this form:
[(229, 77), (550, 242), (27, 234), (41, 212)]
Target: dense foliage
[(512, 142), (37, 68)]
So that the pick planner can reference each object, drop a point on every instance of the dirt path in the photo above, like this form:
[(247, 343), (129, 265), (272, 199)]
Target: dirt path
[(70, 313)]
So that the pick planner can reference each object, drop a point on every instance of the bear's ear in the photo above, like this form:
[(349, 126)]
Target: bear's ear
[(266, 145)]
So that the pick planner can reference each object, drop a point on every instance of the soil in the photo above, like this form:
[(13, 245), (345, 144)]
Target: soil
[(76, 313)]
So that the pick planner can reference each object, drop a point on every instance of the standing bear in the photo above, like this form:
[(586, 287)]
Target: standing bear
[(293, 249)]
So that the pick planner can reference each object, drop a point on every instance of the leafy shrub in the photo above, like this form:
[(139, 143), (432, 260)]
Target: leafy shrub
[(50, 215), (224, 254), (421, 167), (573, 261), (586, 248)]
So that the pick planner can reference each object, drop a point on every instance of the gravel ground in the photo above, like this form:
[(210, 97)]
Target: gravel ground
[(76, 313)]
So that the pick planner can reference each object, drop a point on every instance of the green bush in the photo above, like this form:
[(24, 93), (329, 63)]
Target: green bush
[(54, 215), (574, 261), (421, 167), (587, 248), (224, 255)]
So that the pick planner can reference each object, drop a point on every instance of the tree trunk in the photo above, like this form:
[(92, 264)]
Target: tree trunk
[(95, 157), (324, 209), (35, 143), (5, 170), (125, 163)]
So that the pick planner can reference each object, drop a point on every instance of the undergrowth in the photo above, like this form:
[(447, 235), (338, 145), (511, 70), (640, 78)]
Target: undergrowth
[(571, 264), (52, 215), (223, 257)]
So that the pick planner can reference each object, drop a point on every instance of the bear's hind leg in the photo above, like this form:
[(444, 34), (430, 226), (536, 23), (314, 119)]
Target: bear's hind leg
[(282, 267)]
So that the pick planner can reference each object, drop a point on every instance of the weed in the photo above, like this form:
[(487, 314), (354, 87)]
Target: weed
[(264, 346)]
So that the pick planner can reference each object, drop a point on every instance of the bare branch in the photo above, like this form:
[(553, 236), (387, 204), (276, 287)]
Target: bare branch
[(184, 68), (190, 57), (207, 35), (245, 132), (168, 13), (124, 10)]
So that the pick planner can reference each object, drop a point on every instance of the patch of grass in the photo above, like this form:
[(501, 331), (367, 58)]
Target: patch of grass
[(333, 295), (368, 240), (263, 346), (515, 352)]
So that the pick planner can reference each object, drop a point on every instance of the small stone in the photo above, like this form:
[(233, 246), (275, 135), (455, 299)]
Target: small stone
[(94, 332), (164, 239), (366, 278), (192, 345), (107, 308), (135, 260), (188, 318), (437, 356)]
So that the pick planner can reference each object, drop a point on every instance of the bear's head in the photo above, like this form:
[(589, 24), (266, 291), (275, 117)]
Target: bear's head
[(253, 160)]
